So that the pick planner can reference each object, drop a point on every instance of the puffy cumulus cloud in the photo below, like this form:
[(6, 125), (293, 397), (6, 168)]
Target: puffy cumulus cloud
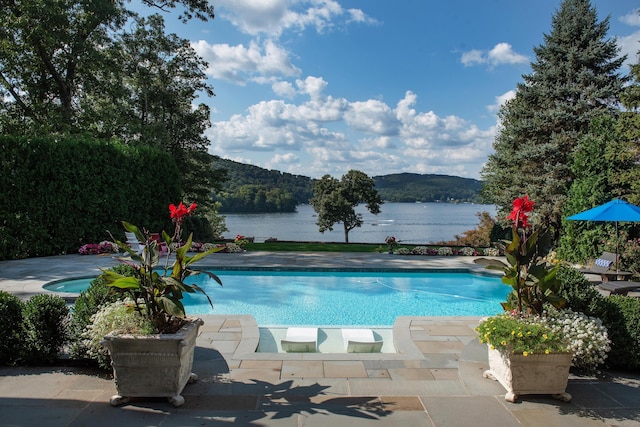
[(632, 18), (629, 46), (333, 135), (284, 89), (441, 142), (503, 53), (372, 116), (500, 54), (313, 86), (501, 100), (273, 17), (283, 162), (240, 63)]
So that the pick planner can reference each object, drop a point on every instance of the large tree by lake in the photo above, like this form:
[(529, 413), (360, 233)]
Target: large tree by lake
[(575, 78), (335, 200)]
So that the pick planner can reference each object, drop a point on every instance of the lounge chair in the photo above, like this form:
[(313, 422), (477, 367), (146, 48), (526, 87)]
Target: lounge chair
[(618, 286), (605, 266), (134, 243), (361, 341), (300, 340)]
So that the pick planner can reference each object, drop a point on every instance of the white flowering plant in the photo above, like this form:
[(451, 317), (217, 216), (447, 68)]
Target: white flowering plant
[(116, 317), (587, 338), (444, 251)]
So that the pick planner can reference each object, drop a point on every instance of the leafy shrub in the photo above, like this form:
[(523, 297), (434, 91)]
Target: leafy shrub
[(575, 289), (44, 317), (10, 332), (403, 251), (118, 317), (87, 304), (621, 315)]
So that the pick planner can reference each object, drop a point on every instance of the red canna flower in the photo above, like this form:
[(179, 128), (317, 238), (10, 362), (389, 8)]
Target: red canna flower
[(177, 213), (518, 214)]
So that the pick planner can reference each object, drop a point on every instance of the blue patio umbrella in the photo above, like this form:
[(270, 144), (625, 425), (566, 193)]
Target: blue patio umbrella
[(614, 211)]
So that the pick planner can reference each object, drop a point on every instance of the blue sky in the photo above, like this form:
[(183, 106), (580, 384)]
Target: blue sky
[(316, 87)]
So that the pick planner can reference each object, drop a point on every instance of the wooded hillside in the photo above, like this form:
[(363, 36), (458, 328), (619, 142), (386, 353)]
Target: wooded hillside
[(412, 187), (255, 189)]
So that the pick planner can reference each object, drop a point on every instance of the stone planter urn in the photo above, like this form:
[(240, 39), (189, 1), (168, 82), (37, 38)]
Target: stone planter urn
[(533, 374), (153, 365)]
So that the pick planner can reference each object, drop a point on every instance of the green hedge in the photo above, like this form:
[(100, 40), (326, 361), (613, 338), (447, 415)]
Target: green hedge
[(620, 314), (33, 332), (59, 194), (11, 330)]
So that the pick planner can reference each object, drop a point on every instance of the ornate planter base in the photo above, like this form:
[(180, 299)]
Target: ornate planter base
[(533, 374), (153, 365)]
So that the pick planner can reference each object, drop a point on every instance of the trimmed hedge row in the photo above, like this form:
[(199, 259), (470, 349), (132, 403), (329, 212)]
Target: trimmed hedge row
[(59, 194)]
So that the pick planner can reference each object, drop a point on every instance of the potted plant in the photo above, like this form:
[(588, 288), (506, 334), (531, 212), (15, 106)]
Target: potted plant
[(525, 356), (157, 364)]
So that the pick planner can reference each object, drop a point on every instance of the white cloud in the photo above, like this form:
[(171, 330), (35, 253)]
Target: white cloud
[(503, 53), (285, 89), (313, 86), (372, 116), (272, 17), (501, 100), (500, 54), (632, 18), (630, 45), (333, 135), (239, 63), (473, 57)]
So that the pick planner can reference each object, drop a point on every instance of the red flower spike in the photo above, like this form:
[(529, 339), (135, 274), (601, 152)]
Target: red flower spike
[(518, 214), (181, 210)]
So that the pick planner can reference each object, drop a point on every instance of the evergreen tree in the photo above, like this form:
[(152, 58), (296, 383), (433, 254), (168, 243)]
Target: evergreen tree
[(574, 79)]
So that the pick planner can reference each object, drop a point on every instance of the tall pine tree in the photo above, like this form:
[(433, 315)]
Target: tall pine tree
[(575, 78)]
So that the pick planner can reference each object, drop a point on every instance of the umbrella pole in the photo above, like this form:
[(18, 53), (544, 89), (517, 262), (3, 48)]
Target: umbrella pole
[(617, 240)]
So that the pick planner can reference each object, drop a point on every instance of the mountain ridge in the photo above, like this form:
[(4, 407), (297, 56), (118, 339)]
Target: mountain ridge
[(251, 188)]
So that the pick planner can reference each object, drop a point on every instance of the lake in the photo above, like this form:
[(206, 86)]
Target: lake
[(407, 222)]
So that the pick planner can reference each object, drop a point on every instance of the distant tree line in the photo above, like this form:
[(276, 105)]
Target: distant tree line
[(254, 189), (411, 187)]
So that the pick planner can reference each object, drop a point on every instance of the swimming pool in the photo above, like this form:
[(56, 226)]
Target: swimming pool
[(339, 298)]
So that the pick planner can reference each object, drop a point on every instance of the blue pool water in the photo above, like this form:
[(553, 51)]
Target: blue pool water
[(340, 298)]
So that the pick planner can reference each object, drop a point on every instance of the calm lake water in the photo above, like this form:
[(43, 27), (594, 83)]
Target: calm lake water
[(407, 222)]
